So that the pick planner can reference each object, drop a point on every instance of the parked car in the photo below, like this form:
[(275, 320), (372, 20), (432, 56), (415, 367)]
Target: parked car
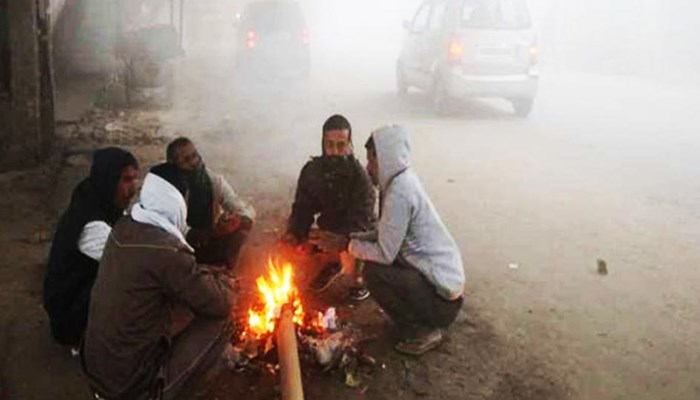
[(457, 49), (272, 40)]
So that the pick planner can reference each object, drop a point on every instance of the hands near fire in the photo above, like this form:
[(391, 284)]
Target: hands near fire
[(328, 241), (289, 242), (348, 263), (232, 222)]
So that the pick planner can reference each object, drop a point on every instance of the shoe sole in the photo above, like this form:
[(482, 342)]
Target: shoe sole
[(417, 353), (360, 298)]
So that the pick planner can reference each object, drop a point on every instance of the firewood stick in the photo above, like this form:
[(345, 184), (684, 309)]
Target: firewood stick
[(290, 371)]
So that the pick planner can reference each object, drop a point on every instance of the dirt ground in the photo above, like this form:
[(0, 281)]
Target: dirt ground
[(605, 168), (552, 194), (475, 363)]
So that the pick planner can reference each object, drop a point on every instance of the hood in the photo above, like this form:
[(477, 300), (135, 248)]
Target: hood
[(161, 204), (393, 152), (105, 174)]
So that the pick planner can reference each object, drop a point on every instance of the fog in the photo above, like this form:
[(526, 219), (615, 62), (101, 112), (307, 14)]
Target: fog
[(355, 44), (652, 39), (603, 167)]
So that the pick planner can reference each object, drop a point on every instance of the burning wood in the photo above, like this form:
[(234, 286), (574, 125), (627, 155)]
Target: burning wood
[(278, 290), (278, 320)]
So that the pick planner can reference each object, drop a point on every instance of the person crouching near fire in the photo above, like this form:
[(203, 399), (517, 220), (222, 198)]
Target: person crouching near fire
[(412, 265), (158, 321), (335, 193)]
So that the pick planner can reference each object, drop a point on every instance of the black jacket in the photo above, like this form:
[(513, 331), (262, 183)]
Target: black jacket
[(70, 274), (336, 189)]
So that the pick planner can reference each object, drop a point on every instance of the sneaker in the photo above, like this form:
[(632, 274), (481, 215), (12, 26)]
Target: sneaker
[(326, 277), (420, 345), (359, 293)]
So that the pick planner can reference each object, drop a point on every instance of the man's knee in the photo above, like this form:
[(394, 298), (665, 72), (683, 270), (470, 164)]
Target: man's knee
[(374, 274)]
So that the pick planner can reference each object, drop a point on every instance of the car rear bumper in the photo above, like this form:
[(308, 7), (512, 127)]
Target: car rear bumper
[(461, 85), (289, 64)]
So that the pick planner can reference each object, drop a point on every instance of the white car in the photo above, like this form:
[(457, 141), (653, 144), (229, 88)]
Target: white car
[(458, 49)]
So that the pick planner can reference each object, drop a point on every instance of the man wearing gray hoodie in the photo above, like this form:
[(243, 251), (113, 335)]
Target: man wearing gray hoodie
[(413, 267)]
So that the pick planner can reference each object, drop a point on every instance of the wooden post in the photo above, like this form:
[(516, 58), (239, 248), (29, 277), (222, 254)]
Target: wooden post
[(290, 371)]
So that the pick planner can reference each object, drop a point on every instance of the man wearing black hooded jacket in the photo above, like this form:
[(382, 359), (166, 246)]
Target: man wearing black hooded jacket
[(335, 192), (96, 204)]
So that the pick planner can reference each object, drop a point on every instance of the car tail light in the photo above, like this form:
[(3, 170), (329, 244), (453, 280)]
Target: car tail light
[(305, 36), (455, 52), (251, 39), (534, 53)]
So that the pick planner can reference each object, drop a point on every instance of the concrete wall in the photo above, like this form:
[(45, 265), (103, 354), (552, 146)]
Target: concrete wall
[(25, 128)]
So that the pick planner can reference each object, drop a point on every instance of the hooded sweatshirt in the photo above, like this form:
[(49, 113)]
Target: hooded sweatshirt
[(409, 226), (78, 243)]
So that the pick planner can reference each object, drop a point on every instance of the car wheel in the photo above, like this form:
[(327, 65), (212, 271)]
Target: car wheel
[(522, 107), (440, 98), (401, 83)]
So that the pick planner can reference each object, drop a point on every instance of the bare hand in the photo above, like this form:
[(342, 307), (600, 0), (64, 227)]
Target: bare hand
[(348, 263), (328, 241)]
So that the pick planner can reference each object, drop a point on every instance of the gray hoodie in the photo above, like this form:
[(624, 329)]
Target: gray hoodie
[(409, 226)]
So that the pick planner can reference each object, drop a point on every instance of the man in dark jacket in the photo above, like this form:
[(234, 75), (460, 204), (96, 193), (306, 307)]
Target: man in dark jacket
[(97, 202), (335, 192), (158, 320)]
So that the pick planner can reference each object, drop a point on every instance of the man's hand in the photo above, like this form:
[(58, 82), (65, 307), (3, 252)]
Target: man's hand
[(229, 223), (289, 241), (348, 263), (328, 241), (246, 223)]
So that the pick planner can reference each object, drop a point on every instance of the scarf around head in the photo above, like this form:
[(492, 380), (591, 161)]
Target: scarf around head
[(162, 205)]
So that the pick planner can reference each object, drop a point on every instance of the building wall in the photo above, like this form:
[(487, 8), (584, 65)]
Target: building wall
[(26, 122), (84, 35)]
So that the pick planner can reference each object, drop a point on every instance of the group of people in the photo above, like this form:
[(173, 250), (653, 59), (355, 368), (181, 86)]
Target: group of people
[(144, 292)]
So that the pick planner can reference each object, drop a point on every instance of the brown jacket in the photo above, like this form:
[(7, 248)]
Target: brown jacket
[(144, 272)]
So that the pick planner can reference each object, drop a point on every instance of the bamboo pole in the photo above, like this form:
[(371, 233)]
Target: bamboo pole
[(290, 371)]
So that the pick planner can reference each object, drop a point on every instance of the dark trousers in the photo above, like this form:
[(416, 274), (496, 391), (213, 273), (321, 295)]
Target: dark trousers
[(409, 299), (223, 250), (68, 327)]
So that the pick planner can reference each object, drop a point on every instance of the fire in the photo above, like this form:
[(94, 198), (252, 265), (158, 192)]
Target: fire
[(277, 289)]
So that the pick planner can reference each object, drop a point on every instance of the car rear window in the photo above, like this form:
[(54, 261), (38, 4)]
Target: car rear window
[(273, 16), (495, 14)]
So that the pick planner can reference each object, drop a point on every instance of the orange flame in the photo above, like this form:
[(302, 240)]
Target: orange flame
[(277, 290)]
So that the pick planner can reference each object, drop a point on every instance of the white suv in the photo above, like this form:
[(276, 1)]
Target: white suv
[(471, 48)]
